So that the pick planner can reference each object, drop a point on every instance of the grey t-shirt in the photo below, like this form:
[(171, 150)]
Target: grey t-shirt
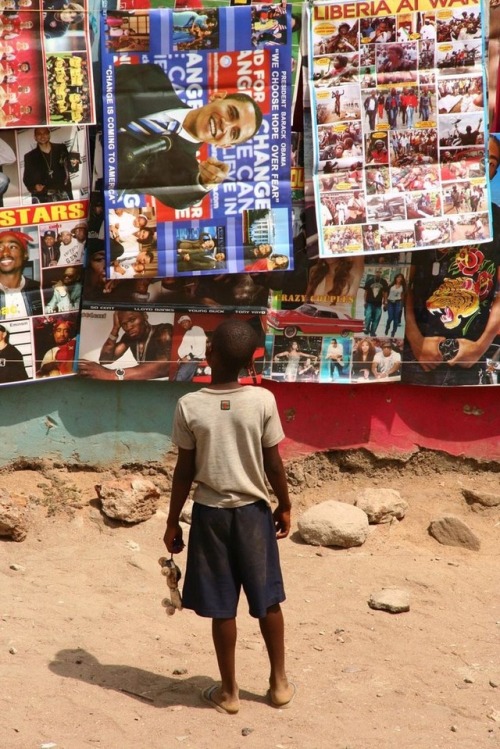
[(228, 429)]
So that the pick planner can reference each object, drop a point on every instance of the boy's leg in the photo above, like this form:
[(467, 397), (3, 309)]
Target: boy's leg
[(224, 637), (272, 627)]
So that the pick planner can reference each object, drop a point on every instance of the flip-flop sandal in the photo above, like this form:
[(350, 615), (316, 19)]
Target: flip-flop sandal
[(207, 695), (173, 575), (285, 705)]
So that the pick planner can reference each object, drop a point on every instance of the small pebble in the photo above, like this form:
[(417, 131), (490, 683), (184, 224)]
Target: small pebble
[(454, 729), (493, 683), (179, 671), (468, 680), (246, 731), (17, 567), (12, 651)]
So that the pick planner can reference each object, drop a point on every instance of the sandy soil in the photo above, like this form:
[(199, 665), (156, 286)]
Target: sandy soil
[(88, 657)]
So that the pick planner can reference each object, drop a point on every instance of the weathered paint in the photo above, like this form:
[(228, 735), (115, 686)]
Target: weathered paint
[(99, 423), (390, 419)]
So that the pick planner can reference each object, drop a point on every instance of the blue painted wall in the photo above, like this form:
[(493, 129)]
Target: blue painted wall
[(97, 423)]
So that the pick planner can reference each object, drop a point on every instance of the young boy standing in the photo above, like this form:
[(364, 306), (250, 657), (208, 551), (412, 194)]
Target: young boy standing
[(228, 436)]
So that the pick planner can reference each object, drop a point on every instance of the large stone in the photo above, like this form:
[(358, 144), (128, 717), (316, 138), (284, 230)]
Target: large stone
[(13, 516), (451, 531), (382, 505), (485, 499), (393, 600), (334, 523), (133, 499)]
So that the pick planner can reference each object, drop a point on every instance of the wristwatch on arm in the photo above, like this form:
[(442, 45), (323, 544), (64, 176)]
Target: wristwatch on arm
[(120, 374)]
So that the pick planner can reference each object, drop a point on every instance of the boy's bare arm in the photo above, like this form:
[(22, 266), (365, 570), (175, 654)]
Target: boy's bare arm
[(181, 486), (275, 473)]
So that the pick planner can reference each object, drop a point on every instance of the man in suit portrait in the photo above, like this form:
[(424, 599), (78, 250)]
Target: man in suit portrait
[(159, 136)]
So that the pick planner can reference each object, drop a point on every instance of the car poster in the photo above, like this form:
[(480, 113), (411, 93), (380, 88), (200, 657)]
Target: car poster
[(339, 320), (399, 99)]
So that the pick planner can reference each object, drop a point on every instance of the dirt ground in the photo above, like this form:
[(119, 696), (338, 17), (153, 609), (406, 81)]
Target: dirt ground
[(88, 657)]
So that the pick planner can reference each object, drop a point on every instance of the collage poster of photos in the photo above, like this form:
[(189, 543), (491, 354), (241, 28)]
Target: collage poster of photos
[(400, 113)]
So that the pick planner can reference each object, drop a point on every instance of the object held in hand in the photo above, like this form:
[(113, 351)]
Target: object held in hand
[(449, 348), (173, 575)]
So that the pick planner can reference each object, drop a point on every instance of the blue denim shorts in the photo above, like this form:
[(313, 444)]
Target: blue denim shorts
[(230, 549)]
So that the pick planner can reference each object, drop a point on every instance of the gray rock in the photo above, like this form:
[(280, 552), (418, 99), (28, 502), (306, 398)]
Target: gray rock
[(393, 600), (13, 516), (382, 505), (133, 499), (333, 523), (486, 499), (451, 531)]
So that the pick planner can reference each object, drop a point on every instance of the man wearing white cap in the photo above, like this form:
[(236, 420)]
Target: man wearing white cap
[(191, 350)]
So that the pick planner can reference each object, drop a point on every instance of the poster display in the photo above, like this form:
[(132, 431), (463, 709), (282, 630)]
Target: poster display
[(45, 69), (159, 329), (136, 344), (398, 95), (197, 138), (453, 308), (44, 188), (340, 320), (335, 194)]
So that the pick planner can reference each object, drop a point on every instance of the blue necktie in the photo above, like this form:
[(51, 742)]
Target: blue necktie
[(144, 127)]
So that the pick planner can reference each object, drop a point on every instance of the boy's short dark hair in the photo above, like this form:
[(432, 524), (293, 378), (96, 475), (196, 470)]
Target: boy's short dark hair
[(235, 341)]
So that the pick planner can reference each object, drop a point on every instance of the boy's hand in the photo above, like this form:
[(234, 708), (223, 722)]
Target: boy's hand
[(173, 539), (281, 522)]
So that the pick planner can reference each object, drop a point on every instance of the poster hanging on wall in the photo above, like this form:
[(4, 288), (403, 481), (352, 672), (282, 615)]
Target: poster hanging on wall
[(399, 100), (44, 189), (45, 70), (197, 138), (453, 308)]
